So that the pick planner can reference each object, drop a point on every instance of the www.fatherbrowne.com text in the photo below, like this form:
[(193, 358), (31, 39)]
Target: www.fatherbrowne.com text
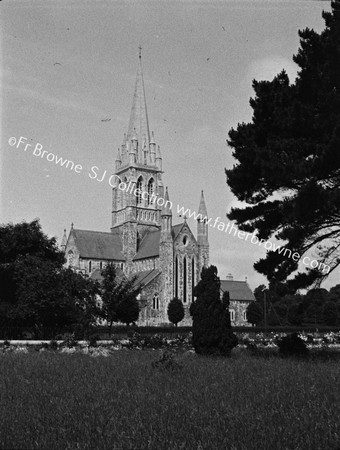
[(115, 181)]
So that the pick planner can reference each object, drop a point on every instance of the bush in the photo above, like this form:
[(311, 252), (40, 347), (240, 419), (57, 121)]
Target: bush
[(53, 345), (93, 340), (292, 345), (167, 363), (70, 341), (175, 311)]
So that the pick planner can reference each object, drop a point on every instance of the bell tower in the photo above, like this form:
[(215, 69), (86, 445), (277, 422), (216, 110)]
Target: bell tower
[(138, 182)]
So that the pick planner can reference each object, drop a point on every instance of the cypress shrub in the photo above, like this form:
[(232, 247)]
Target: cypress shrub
[(212, 334)]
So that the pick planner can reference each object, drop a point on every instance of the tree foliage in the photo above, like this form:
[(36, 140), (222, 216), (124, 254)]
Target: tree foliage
[(211, 328), (254, 313), (317, 307), (128, 310), (288, 160), (119, 296), (330, 313), (175, 311), (18, 241), (38, 291)]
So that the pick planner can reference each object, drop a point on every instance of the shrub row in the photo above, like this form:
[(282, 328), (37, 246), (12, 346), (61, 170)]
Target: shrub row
[(103, 332)]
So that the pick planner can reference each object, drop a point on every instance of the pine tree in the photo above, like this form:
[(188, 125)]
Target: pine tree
[(175, 311), (288, 158), (211, 329)]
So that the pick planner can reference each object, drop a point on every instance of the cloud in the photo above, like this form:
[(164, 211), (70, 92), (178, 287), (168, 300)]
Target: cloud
[(267, 68)]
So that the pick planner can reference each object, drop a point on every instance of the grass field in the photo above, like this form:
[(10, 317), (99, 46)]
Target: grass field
[(58, 401)]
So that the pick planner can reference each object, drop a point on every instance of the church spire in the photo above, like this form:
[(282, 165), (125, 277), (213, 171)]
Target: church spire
[(166, 219), (202, 234), (63, 241), (166, 210), (202, 209), (139, 122)]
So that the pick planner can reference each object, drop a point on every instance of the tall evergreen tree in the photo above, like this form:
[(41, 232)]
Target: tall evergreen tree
[(288, 168), (211, 328)]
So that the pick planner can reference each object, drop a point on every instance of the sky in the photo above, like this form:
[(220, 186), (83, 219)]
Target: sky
[(68, 70)]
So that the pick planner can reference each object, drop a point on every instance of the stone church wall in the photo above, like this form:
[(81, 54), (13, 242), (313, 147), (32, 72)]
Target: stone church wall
[(150, 316), (239, 308)]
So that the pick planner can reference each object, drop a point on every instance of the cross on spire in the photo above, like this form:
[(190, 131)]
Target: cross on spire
[(139, 122)]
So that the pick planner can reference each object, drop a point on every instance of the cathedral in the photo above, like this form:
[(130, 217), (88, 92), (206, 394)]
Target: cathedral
[(167, 259)]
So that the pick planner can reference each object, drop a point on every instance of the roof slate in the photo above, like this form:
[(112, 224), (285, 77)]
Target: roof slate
[(103, 245), (149, 247), (145, 277), (98, 245), (238, 290), (97, 274), (176, 229)]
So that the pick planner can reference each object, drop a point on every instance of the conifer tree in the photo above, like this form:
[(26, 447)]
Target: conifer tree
[(288, 160), (211, 329)]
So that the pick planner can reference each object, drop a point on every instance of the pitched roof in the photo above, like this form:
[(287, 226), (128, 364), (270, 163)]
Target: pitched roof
[(238, 290), (176, 229), (98, 244), (149, 247), (202, 209), (97, 274), (145, 277)]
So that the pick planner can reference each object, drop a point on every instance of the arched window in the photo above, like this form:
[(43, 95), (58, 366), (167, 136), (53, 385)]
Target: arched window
[(139, 193), (245, 316), (176, 277), (232, 315), (151, 189), (70, 256), (125, 195), (155, 302), (184, 280), (192, 277)]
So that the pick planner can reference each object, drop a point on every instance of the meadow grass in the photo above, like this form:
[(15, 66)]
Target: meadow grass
[(57, 401)]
